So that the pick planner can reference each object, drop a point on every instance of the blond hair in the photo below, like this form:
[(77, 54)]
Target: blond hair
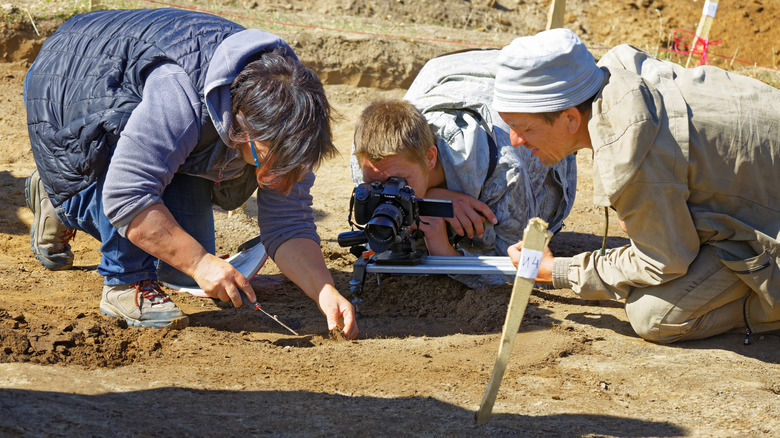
[(392, 127)]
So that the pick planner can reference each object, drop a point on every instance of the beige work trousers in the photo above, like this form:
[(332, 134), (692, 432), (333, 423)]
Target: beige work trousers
[(709, 299)]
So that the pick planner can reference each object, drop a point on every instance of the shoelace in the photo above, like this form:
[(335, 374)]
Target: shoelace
[(150, 290), (67, 235)]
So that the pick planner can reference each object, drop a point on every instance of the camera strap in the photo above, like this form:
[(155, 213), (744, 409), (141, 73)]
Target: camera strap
[(493, 150), (349, 217)]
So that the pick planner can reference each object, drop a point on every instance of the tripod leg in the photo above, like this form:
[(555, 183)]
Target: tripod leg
[(357, 282)]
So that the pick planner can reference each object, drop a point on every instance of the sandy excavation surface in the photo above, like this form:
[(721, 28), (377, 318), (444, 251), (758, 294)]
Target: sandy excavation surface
[(427, 345)]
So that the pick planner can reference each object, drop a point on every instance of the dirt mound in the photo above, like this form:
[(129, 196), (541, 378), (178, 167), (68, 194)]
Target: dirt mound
[(742, 35), (363, 61), (88, 340), (747, 31), (21, 38)]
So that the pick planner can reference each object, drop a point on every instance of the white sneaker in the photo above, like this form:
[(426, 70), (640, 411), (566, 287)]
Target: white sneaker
[(142, 304)]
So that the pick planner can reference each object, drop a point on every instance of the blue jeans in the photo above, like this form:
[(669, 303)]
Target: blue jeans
[(189, 200)]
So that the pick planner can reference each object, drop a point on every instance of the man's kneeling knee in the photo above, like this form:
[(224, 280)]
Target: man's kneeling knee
[(647, 321)]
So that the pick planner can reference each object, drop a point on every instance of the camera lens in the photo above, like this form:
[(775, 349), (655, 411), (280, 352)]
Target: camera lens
[(383, 227), (351, 238)]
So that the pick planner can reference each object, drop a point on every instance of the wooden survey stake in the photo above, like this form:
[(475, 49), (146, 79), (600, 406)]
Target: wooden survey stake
[(534, 240), (703, 31), (555, 15)]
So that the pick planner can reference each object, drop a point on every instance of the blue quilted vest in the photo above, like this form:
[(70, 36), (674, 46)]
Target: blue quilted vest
[(88, 78)]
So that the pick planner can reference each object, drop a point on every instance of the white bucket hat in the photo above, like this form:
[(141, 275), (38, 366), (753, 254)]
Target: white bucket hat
[(546, 72)]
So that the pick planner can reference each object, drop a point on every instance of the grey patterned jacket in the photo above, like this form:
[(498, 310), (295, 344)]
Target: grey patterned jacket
[(454, 93)]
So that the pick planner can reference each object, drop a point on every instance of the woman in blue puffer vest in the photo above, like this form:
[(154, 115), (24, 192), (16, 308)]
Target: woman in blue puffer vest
[(140, 120)]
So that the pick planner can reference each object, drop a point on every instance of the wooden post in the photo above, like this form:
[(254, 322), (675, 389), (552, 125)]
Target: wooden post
[(555, 16), (707, 15), (535, 238)]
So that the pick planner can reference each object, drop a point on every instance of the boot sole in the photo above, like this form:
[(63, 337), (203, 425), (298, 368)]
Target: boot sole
[(174, 324)]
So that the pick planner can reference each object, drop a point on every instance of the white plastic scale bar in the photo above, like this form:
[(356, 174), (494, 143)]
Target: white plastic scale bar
[(483, 265)]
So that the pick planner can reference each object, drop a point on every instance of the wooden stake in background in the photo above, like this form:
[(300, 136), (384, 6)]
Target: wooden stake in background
[(555, 16), (535, 238), (707, 15)]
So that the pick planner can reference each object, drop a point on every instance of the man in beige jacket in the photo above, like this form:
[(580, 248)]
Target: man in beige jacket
[(689, 159)]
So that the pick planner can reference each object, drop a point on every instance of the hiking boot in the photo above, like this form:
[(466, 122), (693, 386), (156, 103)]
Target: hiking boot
[(142, 304), (49, 237)]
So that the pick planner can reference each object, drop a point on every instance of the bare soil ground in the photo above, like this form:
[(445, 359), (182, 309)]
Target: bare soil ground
[(427, 344)]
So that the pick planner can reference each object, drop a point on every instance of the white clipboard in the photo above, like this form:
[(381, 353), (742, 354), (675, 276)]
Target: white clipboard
[(247, 261)]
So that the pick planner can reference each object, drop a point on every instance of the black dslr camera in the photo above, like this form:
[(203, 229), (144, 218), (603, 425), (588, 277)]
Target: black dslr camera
[(387, 210)]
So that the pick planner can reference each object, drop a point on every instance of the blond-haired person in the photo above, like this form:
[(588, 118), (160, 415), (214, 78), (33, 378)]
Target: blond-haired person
[(448, 144)]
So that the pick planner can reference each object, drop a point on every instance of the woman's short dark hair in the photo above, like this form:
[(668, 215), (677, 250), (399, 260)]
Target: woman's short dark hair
[(281, 102)]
